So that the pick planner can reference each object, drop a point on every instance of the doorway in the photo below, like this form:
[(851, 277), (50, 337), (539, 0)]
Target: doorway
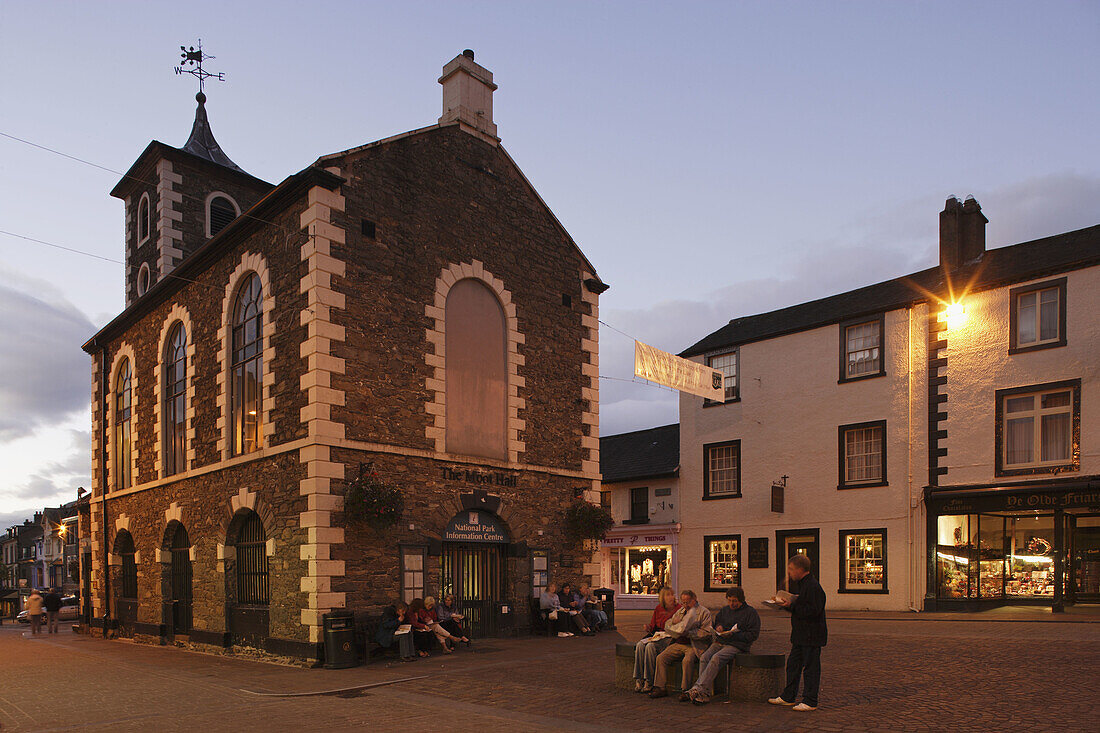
[(181, 581), (791, 542), (474, 574), (1084, 572)]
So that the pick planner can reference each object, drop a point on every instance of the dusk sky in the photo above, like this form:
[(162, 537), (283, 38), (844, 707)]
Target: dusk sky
[(713, 160)]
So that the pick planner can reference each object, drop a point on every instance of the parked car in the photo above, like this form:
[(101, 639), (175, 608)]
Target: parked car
[(70, 611)]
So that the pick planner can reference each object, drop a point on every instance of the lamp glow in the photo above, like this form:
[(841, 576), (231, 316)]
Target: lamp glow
[(955, 315)]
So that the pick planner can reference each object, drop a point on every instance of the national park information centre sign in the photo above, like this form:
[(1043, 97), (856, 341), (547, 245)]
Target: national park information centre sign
[(475, 526)]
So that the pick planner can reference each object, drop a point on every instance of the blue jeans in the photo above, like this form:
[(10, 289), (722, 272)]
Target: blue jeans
[(595, 617), (645, 658), (711, 663)]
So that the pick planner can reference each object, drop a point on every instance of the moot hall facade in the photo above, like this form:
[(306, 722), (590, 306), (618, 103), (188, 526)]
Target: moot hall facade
[(409, 309)]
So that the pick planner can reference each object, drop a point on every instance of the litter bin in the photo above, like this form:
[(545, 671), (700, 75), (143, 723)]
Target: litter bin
[(607, 602), (506, 618), (340, 651)]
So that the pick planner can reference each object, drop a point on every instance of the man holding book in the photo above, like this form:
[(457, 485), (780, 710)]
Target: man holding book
[(736, 627), (690, 628), (808, 634)]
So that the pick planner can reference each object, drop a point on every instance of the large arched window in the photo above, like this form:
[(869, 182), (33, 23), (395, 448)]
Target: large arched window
[(252, 585), (220, 210), (124, 548), (175, 401), (476, 372), (143, 219), (246, 368), (123, 442)]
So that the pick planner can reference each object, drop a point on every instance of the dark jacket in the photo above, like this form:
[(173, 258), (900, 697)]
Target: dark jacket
[(748, 626), (386, 627), (808, 613), (52, 602)]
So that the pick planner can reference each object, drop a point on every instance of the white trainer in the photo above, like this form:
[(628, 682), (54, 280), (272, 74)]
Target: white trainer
[(779, 701), (803, 708)]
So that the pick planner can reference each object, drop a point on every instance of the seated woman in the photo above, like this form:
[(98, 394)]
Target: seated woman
[(646, 650), (449, 618), (592, 608), (393, 617), (422, 622), (575, 610), (550, 604), (446, 639)]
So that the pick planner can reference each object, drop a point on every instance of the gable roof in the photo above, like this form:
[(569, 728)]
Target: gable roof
[(650, 453), (995, 268)]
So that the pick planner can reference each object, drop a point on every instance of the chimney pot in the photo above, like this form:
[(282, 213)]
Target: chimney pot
[(469, 53)]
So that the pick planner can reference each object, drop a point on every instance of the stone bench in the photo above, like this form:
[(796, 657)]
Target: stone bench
[(751, 677)]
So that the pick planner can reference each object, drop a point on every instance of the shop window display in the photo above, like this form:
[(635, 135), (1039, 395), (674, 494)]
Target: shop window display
[(994, 556), (641, 570), (1032, 558), (723, 562), (864, 561), (954, 547)]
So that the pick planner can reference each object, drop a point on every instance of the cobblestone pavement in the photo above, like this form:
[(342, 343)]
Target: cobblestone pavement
[(889, 675)]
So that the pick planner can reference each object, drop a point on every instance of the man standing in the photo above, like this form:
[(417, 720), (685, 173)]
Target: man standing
[(52, 602), (808, 635), (736, 627), (34, 611), (690, 628)]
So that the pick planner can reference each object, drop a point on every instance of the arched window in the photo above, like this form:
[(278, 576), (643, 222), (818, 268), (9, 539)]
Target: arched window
[(175, 401), (124, 548), (477, 372), (143, 279), (143, 219), (252, 587), (220, 210), (123, 442), (246, 367)]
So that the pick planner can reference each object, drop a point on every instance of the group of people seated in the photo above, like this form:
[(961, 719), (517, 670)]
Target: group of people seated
[(684, 631), (568, 610), (413, 627)]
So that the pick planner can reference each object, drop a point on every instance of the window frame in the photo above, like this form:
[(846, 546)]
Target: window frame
[(123, 449), (209, 201), (170, 426), (707, 560), (880, 319), (264, 563), (254, 350), (842, 456), (1014, 316), (842, 562), (1074, 464), (644, 518), (707, 495), (536, 589), (408, 548), (144, 216), (736, 351), (144, 279)]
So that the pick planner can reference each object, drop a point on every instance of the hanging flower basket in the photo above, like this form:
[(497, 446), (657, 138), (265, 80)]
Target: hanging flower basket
[(371, 500), (586, 521)]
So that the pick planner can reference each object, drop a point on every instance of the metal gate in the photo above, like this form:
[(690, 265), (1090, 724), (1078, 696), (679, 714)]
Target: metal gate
[(181, 581), (474, 574)]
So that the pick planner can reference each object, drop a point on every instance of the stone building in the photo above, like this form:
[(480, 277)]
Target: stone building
[(931, 442), (407, 313)]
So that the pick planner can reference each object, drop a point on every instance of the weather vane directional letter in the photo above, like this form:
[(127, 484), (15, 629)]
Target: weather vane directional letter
[(194, 58)]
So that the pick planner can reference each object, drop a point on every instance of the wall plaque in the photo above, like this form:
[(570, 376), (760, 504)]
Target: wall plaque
[(475, 526), (758, 552)]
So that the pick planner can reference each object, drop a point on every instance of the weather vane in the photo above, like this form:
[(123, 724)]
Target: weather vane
[(194, 57)]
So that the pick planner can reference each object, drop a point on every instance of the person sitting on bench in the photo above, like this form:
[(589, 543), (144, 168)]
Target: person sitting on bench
[(736, 627), (449, 618), (646, 650), (593, 609), (690, 628), (393, 618), (422, 622), (550, 605), (574, 608)]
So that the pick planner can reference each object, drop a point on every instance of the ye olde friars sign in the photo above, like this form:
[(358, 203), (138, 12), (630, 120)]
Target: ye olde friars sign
[(483, 478), (474, 526)]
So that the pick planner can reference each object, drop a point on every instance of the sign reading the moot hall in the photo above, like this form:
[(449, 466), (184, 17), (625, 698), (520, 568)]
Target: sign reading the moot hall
[(474, 526), (672, 371)]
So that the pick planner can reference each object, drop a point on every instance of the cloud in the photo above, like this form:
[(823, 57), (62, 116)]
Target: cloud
[(879, 246), (57, 481), (45, 375)]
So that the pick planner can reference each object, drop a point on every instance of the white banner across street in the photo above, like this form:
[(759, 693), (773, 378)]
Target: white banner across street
[(672, 371)]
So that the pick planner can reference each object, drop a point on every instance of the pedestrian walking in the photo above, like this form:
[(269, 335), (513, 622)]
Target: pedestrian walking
[(52, 602), (34, 611), (808, 635)]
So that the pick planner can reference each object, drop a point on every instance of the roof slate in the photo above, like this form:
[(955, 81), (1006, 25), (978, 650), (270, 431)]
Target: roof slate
[(641, 454), (995, 268)]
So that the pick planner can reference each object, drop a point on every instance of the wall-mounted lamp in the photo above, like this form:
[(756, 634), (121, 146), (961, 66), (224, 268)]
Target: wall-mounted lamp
[(955, 315)]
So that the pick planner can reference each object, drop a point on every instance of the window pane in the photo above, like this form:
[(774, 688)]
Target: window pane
[(863, 447), (1048, 315), (727, 364), (1020, 404), (1055, 437), (1019, 440), (723, 469), (1025, 319), (863, 561), (1055, 399), (863, 343), (414, 560), (724, 568)]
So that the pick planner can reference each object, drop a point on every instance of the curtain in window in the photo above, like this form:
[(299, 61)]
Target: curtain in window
[(1055, 437), (1048, 314), (863, 343), (864, 454), (1025, 319)]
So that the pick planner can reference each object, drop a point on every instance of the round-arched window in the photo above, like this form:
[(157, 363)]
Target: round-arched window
[(247, 349)]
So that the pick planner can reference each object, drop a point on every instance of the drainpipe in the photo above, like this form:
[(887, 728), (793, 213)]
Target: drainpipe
[(909, 469), (106, 403)]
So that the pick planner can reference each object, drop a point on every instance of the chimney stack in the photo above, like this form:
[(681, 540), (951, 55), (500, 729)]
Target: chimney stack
[(962, 232), (468, 96)]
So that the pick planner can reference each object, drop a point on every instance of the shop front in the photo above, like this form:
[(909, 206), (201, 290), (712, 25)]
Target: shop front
[(995, 546), (638, 562)]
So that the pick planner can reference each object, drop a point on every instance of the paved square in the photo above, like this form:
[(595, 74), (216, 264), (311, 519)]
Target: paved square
[(910, 674)]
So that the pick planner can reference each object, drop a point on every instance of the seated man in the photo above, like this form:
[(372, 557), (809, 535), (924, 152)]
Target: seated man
[(690, 629), (593, 609), (736, 627)]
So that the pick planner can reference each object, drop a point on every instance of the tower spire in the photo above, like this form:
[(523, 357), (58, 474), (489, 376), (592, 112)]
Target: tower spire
[(202, 142)]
